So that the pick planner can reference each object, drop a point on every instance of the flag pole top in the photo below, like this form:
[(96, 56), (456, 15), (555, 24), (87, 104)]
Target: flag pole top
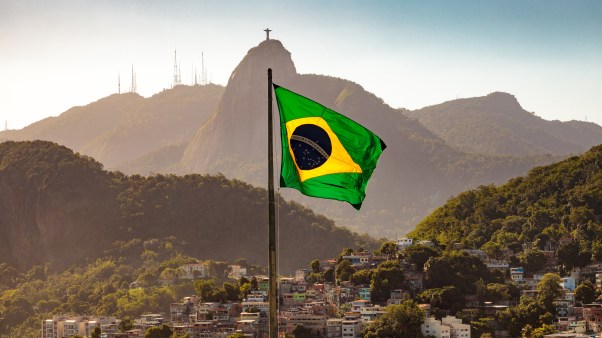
[(267, 33)]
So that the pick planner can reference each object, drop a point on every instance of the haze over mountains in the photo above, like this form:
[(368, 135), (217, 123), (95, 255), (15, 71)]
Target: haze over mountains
[(431, 155), (497, 124)]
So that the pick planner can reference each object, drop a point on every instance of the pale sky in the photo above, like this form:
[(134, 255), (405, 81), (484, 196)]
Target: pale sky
[(57, 54)]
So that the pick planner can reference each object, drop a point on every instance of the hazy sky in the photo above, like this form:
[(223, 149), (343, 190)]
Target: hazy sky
[(59, 54)]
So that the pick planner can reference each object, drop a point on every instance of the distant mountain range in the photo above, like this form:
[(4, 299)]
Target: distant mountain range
[(496, 124), (211, 129), (122, 128)]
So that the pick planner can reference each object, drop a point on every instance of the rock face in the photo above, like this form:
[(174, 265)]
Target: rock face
[(234, 139)]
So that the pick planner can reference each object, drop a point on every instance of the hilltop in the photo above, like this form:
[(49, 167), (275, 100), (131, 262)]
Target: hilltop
[(496, 124), (552, 205)]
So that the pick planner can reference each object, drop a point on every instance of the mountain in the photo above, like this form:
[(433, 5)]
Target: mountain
[(234, 140), (61, 208), (416, 173), (552, 204), (496, 124), (122, 128), (165, 134)]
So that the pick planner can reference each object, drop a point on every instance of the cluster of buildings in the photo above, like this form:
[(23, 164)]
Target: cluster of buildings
[(336, 311)]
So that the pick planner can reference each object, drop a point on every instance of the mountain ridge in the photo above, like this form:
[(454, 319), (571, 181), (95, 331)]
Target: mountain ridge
[(416, 173), (496, 124)]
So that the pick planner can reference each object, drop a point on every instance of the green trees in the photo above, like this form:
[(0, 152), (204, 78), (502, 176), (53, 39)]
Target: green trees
[(586, 292), (95, 333), (315, 266), (571, 256), (388, 249), (456, 268), (300, 332), (208, 292), (418, 255), (552, 202), (344, 270), (398, 321), (535, 314), (493, 292), (528, 312), (548, 290), (386, 277), (236, 335), (162, 331), (445, 298), (125, 325)]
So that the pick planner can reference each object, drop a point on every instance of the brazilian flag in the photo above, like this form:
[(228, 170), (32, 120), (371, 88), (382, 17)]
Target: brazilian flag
[(324, 154)]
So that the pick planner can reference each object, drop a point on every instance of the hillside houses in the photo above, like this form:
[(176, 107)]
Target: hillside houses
[(343, 309)]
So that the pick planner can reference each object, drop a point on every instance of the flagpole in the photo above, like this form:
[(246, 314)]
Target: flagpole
[(273, 325)]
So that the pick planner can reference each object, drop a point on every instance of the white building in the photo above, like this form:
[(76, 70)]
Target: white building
[(457, 329), (404, 243), (237, 271), (334, 328), (369, 313), (351, 328), (50, 329), (433, 327), (202, 270), (516, 274), (67, 326)]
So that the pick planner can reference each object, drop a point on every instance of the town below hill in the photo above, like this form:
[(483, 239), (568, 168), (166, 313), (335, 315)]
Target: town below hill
[(403, 289)]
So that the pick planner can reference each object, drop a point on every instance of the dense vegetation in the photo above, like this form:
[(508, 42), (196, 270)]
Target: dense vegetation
[(557, 207), (61, 208), (145, 281)]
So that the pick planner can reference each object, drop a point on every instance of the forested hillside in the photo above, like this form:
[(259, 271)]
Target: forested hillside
[(555, 206), (60, 208)]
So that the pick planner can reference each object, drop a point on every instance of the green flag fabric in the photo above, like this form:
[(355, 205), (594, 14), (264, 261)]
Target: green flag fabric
[(324, 154)]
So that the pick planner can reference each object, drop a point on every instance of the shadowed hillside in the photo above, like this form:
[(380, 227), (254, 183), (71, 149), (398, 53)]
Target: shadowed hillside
[(55, 203)]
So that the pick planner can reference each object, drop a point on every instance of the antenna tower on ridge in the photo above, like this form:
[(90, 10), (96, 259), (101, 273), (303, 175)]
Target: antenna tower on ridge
[(133, 87), (194, 76), (203, 70), (176, 71), (118, 83), (5, 125)]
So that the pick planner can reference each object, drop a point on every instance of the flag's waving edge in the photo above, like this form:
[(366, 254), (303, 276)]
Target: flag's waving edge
[(324, 154)]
